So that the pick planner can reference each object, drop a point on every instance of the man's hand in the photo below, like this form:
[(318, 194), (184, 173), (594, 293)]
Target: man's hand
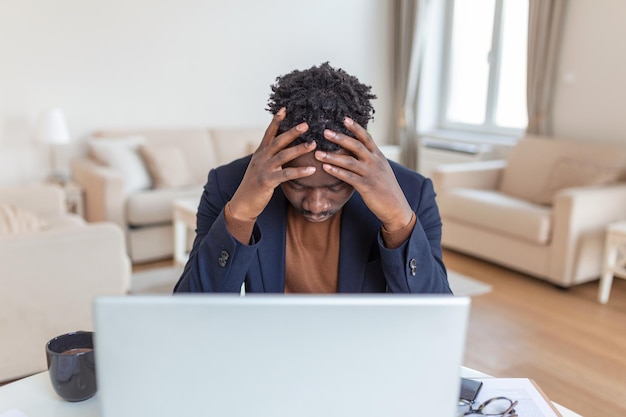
[(369, 172), (265, 171)]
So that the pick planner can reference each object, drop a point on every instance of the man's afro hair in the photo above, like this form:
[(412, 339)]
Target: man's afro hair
[(321, 96)]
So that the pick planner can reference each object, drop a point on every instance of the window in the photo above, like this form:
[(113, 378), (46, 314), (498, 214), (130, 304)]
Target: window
[(484, 81)]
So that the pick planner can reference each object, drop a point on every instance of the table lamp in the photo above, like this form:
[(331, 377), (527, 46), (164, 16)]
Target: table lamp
[(53, 131)]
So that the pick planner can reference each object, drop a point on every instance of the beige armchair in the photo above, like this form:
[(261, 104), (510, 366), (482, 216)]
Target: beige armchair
[(52, 265), (543, 211)]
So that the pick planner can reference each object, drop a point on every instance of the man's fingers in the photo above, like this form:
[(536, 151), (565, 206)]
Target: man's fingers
[(360, 132), (347, 142), (292, 173), (284, 139), (347, 162), (272, 129), (360, 145), (271, 137), (293, 152), (272, 172), (345, 175)]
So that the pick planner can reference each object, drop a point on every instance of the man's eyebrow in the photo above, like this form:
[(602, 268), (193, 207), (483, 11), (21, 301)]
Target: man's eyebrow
[(299, 184)]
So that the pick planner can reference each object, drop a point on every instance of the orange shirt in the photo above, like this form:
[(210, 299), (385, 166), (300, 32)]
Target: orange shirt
[(311, 254), (312, 249)]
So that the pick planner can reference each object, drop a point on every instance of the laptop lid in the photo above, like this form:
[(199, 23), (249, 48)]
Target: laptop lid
[(279, 356)]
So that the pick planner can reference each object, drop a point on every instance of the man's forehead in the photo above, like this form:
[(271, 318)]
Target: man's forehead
[(302, 182)]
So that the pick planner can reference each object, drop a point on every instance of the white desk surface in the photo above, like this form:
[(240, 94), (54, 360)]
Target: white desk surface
[(35, 397)]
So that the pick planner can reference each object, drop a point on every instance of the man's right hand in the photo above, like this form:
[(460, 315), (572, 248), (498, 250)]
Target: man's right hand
[(265, 171)]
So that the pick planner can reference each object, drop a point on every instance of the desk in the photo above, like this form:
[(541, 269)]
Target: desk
[(35, 397)]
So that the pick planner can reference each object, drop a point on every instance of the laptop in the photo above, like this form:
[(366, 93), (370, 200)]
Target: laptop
[(279, 356)]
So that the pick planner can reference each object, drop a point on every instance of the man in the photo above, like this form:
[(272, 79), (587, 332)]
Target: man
[(317, 208)]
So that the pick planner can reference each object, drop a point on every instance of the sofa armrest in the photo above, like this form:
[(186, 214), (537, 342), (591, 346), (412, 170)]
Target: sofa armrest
[(49, 280), (583, 211), (480, 174), (45, 200), (105, 194)]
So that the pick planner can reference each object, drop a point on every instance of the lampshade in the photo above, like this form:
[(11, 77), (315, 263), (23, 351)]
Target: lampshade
[(53, 128)]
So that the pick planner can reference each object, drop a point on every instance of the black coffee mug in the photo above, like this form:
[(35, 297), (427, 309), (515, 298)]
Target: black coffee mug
[(72, 365)]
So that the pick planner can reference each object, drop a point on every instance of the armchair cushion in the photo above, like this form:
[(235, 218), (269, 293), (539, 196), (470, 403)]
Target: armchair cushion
[(568, 173), (14, 220), (498, 212), (44, 200), (533, 173)]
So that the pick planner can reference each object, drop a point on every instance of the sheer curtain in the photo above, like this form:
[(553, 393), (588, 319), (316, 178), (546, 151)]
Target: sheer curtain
[(545, 18), (409, 30)]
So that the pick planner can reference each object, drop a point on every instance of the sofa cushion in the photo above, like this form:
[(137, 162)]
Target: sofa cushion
[(14, 220), (231, 144), (156, 206), (122, 154), (497, 212), (167, 165), (196, 144), (538, 166)]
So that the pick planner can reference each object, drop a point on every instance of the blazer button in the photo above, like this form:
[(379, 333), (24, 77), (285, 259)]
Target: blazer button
[(223, 259), (413, 266)]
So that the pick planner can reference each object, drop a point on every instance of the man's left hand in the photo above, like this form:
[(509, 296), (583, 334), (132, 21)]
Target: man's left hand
[(369, 172)]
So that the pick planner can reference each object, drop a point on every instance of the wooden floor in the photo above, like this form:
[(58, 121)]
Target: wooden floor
[(571, 345)]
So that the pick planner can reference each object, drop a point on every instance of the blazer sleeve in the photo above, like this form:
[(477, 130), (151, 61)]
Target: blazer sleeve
[(417, 265), (217, 261)]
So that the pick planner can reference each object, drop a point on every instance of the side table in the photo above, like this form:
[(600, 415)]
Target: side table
[(614, 258), (74, 199), (184, 220)]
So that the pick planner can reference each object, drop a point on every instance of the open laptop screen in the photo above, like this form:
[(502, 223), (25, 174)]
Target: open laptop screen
[(280, 356)]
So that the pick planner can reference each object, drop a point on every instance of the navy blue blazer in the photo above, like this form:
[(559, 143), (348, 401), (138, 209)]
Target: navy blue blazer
[(219, 263)]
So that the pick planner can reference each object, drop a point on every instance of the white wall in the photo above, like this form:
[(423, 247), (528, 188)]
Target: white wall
[(175, 63), (590, 100), (170, 63)]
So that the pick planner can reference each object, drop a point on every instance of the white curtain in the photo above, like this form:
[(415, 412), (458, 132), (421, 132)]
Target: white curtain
[(545, 19), (409, 31)]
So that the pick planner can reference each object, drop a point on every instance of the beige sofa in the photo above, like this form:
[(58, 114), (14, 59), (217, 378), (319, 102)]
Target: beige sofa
[(52, 265), (542, 212), (132, 178)]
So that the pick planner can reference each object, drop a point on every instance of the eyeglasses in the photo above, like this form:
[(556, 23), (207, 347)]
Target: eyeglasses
[(497, 406)]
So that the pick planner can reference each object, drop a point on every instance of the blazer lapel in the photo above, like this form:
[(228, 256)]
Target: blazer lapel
[(357, 224), (271, 253)]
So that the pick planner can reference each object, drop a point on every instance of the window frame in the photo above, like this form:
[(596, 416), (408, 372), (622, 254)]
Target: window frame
[(488, 126)]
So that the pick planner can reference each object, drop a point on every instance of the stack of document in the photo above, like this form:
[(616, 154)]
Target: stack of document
[(531, 401)]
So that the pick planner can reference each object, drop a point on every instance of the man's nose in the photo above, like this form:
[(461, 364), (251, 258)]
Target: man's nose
[(315, 201)]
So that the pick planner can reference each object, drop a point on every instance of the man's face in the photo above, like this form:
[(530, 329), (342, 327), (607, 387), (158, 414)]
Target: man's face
[(319, 196)]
